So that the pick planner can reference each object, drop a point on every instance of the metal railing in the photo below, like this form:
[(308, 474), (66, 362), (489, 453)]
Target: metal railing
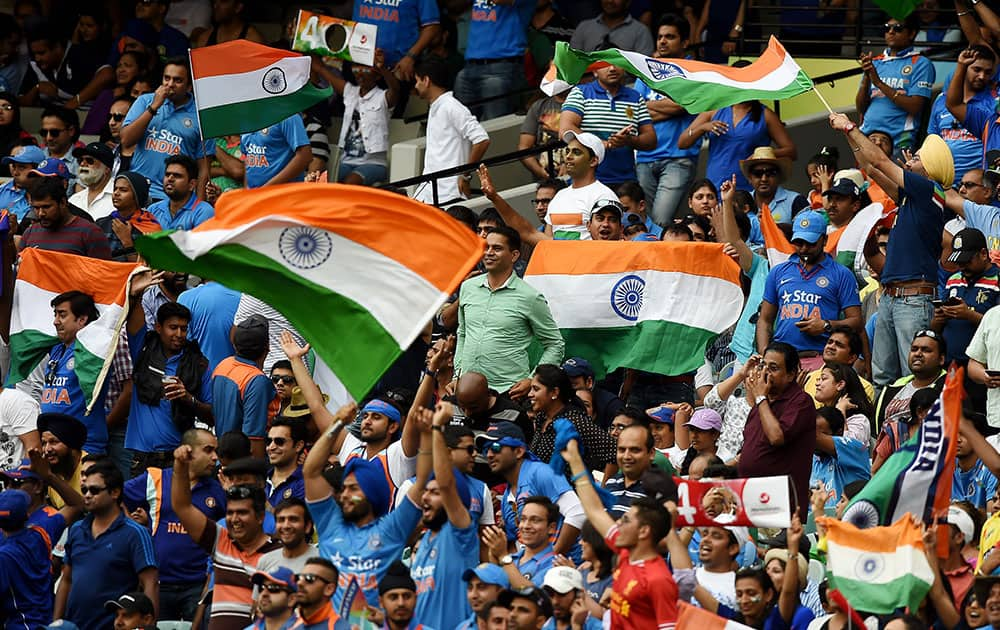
[(496, 160)]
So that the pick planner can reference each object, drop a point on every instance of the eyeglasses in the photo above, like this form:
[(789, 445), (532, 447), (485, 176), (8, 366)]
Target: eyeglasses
[(117, 117), (764, 172), (617, 428), (310, 578), (51, 132), (965, 184), (496, 447), (541, 202), (470, 449), (273, 588), (239, 492), (6, 107), (94, 490), (287, 380), (894, 28), (278, 441)]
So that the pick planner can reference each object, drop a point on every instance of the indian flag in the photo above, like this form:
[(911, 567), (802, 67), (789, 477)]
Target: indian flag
[(878, 569), (357, 271), (43, 275), (695, 618), (241, 86), (695, 85), (648, 306), (845, 244)]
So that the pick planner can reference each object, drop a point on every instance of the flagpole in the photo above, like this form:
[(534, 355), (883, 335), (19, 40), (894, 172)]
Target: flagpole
[(819, 95)]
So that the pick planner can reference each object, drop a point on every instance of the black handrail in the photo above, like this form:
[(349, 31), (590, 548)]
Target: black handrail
[(478, 101), (465, 168)]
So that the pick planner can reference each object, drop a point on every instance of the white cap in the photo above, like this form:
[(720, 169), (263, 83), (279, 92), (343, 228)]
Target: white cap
[(563, 579), (588, 140), (961, 519)]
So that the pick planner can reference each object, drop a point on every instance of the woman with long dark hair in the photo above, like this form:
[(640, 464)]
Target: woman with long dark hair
[(840, 386), (11, 132), (552, 397)]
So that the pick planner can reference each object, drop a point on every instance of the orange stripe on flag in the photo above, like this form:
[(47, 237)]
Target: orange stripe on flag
[(60, 272), (951, 413), (775, 239), (874, 539), (372, 218), (234, 57), (695, 618), (597, 257), (566, 218), (768, 62)]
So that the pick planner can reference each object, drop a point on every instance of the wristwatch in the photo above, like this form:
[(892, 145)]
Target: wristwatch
[(827, 326), (849, 128), (508, 559), (759, 399)]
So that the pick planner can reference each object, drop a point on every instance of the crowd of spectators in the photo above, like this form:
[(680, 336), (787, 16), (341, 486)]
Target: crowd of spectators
[(431, 502)]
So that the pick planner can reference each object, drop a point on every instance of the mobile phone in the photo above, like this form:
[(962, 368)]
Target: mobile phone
[(937, 303), (993, 373), (953, 301)]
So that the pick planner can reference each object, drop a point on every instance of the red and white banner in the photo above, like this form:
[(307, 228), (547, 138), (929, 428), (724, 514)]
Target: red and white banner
[(757, 502)]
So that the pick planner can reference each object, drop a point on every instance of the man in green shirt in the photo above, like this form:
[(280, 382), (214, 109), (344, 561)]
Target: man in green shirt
[(499, 315)]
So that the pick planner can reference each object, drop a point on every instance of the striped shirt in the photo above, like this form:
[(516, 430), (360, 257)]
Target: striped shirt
[(233, 593), (603, 115), (624, 496), (77, 236)]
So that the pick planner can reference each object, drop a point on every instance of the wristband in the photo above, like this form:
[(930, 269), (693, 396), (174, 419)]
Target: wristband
[(577, 477), (430, 373), (438, 427), (738, 28), (962, 13), (152, 112), (850, 127)]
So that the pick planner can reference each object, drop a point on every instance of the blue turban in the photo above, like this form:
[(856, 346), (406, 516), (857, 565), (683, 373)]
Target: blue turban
[(373, 481), (384, 408)]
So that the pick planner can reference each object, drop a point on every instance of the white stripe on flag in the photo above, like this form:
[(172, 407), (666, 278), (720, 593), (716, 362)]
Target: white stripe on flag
[(228, 89), (877, 567), (781, 77)]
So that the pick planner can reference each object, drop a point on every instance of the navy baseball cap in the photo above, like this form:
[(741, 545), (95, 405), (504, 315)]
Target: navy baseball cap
[(504, 433), (577, 366), (23, 471), (52, 167), (14, 506)]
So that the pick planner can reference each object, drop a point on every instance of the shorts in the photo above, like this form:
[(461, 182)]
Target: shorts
[(370, 173)]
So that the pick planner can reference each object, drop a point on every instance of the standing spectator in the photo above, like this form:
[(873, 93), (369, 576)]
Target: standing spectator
[(508, 456), (780, 434), (766, 172), (61, 391), (975, 115), (316, 583), (228, 24), (569, 212), (60, 132), (165, 123), (896, 85), (213, 310), (284, 444), (454, 136), (984, 357), (235, 549), (643, 594), (57, 229), (147, 499), (277, 154), (116, 116), (14, 194), (908, 269), (965, 144), (494, 55), (25, 581), (494, 341), (171, 385), (242, 395), (666, 171), (107, 553), (404, 31), (170, 41), (811, 289), (171, 285), (617, 115), (293, 526), (613, 28), (18, 426), (94, 174), (181, 209), (130, 219), (380, 424), (436, 568), (540, 127)]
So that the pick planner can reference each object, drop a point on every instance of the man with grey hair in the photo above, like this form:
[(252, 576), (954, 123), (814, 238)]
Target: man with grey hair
[(94, 174)]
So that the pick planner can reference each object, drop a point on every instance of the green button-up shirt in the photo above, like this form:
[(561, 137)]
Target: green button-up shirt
[(496, 327)]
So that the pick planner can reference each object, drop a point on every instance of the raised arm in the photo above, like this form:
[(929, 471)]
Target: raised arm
[(317, 487), (888, 174), (758, 384), (136, 315), (310, 390), (510, 216), (954, 97), (70, 496), (458, 515), (422, 422), (193, 520), (788, 599), (589, 499), (724, 220)]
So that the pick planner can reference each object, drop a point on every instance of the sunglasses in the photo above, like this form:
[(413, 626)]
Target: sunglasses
[(894, 28), (87, 161), (94, 490), (50, 132), (310, 578), (239, 492), (927, 333), (496, 447), (287, 380), (964, 184), (117, 117), (274, 588), (764, 172), (470, 449), (617, 428), (278, 441)]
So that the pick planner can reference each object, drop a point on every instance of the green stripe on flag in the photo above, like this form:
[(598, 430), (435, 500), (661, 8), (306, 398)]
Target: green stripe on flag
[(27, 348), (350, 340), (87, 367), (653, 346), (247, 116), (907, 590)]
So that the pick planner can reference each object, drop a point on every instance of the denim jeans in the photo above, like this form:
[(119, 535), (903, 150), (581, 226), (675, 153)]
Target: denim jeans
[(121, 456), (476, 82), (179, 601), (898, 320), (665, 183)]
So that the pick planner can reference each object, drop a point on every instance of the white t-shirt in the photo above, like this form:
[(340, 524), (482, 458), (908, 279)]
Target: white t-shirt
[(985, 348), (18, 415), (451, 132), (722, 586), (676, 456), (101, 207), (401, 467), (569, 210)]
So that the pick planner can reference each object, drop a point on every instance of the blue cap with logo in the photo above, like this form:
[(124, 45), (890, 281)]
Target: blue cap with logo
[(52, 167), (14, 508), (23, 471), (27, 155), (577, 366), (489, 574), (809, 226), (282, 575), (663, 415), (503, 433)]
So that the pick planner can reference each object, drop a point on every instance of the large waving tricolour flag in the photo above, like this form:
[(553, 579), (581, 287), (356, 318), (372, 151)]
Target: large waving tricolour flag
[(695, 85)]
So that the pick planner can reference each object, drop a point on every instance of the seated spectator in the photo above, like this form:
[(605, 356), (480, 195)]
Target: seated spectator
[(61, 132), (14, 194), (633, 197), (48, 81), (840, 459), (606, 404), (56, 229), (843, 347), (170, 41), (14, 61), (94, 174), (181, 210), (228, 24), (820, 170), (112, 136), (12, 135), (131, 65), (766, 172), (896, 85), (130, 219)]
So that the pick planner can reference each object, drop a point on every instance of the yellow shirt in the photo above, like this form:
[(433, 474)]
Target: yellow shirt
[(74, 482), (813, 378)]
